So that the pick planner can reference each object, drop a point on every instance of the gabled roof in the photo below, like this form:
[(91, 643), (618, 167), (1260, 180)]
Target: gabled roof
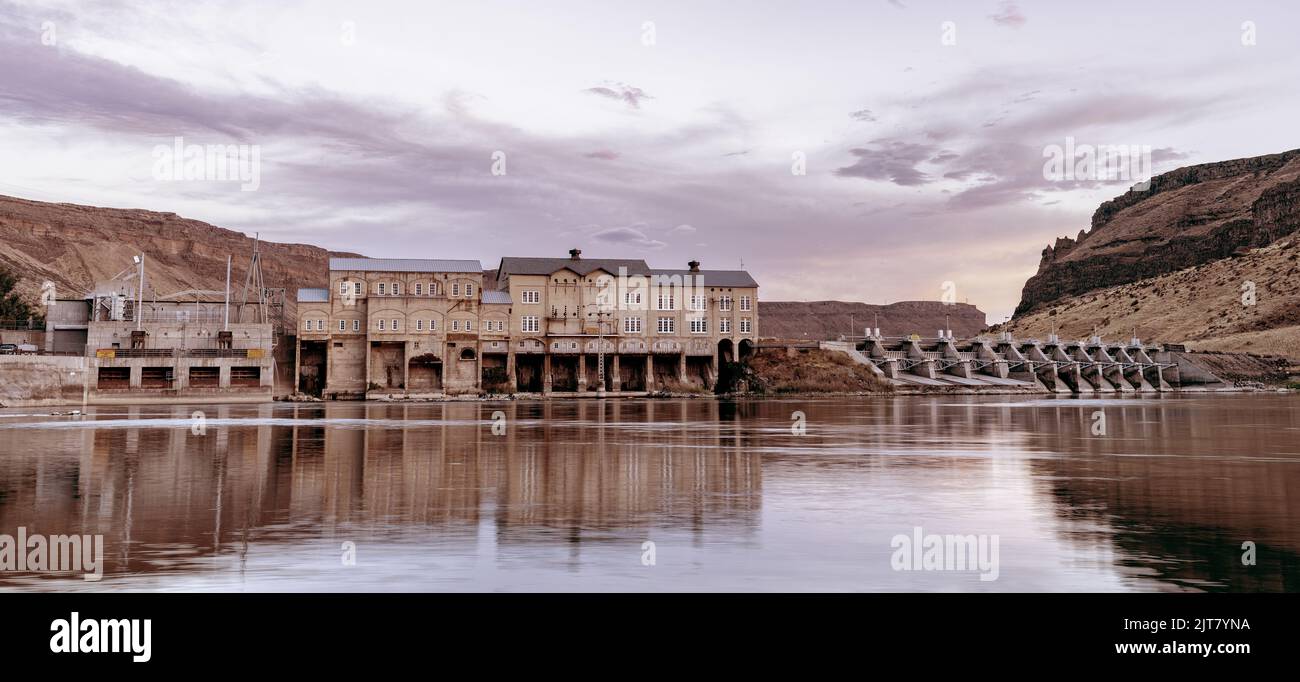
[(405, 265), (495, 297), (714, 278), (512, 265), (313, 295)]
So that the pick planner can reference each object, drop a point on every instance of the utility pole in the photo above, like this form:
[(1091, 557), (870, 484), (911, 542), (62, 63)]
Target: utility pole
[(226, 325), (139, 300)]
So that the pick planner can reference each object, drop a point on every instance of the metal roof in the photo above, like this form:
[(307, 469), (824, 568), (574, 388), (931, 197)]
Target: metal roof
[(512, 265), (496, 297), (714, 278), (313, 295), (405, 265)]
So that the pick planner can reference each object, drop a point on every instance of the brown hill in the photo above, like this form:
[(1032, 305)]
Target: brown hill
[(1187, 217), (77, 247), (827, 320)]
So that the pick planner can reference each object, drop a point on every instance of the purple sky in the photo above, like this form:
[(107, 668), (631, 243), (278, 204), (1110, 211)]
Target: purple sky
[(662, 130)]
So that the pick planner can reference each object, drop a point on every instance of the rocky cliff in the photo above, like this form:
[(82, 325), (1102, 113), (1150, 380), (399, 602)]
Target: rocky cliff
[(75, 247), (827, 320), (1186, 217)]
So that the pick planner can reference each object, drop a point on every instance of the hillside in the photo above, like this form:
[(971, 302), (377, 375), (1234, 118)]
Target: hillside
[(827, 320), (1188, 217), (78, 246), (1201, 306)]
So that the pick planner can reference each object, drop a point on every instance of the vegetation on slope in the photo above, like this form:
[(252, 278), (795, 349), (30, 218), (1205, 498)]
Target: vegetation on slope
[(809, 371)]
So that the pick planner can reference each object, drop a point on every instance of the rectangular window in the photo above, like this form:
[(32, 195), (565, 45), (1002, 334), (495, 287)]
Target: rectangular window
[(632, 298), (469, 325), (469, 291), (308, 325), (395, 325), (397, 289), (455, 290), (724, 304), (744, 325), (697, 302), (433, 324), (343, 288), (381, 325), (632, 325), (356, 288), (419, 289), (699, 325), (356, 325), (666, 325), (531, 296), (528, 323), (666, 301), (419, 325), (455, 325), (343, 325), (744, 303), (724, 325), (383, 289)]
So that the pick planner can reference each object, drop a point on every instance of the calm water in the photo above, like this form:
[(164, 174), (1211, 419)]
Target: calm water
[(265, 498)]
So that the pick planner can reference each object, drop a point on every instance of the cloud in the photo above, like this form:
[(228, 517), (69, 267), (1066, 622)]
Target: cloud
[(632, 237), (895, 161), (625, 93), (863, 115), (1009, 15), (603, 154)]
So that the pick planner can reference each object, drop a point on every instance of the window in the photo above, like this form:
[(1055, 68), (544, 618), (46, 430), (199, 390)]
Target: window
[(433, 324), (744, 303), (381, 325), (433, 288), (744, 325), (666, 325), (528, 323), (632, 298), (697, 302), (343, 288), (724, 325), (343, 325), (308, 325), (356, 288), (632, 325), (419, 324), (699, 325), (419, 289), (455, 325), (469, 325), (724, 304), (666, 301), (455, 290), (532, 296), (356, 325), (395, 325), (397, 289), (383, 289), (469, 291)]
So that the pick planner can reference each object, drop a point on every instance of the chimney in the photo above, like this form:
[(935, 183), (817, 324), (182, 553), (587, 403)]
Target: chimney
[(694, 266), (575, 254)]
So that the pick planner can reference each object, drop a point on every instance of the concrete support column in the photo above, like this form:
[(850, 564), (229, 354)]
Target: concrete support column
[(137, 373), (512, 382), (445, 354), (681, 368), (649, 372), (406, 366), (616, 380), (223, 376), (297, 361), (546, 373), (181, 375), (582, 372)]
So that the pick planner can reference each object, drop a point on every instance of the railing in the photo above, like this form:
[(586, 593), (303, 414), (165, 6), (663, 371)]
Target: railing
[(249, 353)]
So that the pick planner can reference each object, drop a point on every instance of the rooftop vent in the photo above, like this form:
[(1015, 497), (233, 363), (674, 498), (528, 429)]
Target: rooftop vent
[(575, 254), (694, 266)]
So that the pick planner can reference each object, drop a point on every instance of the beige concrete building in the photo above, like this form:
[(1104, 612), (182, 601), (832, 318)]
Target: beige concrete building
[(388, 327)]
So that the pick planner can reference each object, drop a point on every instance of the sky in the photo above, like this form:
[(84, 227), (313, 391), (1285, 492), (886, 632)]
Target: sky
[(873, 150)]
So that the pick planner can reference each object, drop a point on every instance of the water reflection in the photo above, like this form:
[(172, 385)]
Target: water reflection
[(261, 497)]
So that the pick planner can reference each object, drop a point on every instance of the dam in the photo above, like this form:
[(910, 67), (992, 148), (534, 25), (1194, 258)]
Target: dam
[(1090, 366)]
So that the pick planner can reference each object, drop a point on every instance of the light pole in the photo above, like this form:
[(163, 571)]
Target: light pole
[(600, 348)]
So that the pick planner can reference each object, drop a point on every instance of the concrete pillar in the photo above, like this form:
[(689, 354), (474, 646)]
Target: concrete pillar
[(181, 375), (137, 373), (582, 372), (681, 368), (223, 376), (512, 382), (649, 371), (445, 354), (406, 366), (297, 361), (616, 380), (546, 373), (365, 384)]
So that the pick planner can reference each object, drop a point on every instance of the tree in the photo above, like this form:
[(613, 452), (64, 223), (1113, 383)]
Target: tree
[(13, 309)]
